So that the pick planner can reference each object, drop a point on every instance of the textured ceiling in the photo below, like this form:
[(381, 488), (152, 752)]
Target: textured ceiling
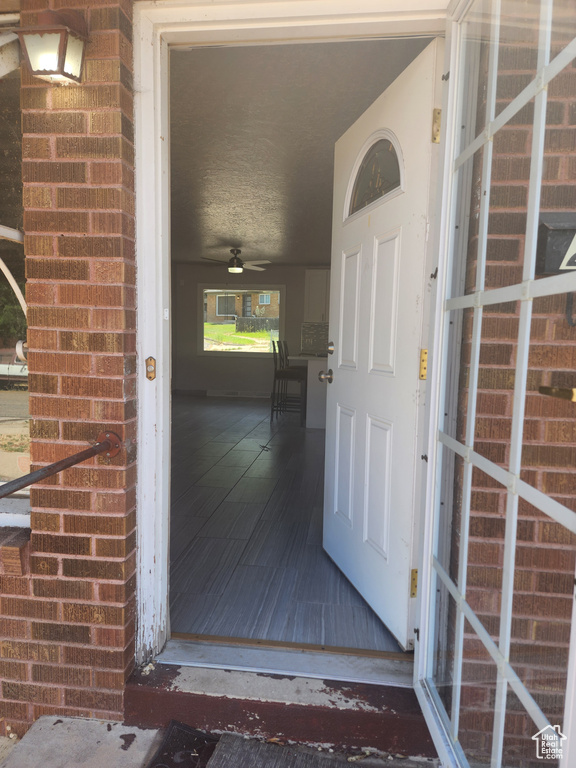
[(252, 140)]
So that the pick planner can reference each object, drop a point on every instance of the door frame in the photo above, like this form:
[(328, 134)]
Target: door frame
[(157, 26)]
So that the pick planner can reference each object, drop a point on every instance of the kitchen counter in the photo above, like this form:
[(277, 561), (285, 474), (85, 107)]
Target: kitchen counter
[(315, 389)]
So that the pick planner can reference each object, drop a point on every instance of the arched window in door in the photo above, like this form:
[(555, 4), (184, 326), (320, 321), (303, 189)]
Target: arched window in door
[(378, 174)]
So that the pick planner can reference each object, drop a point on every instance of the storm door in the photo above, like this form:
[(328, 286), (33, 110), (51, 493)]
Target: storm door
[(498, 686)]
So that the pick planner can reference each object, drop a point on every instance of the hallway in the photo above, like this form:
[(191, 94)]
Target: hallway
[(246, 532)]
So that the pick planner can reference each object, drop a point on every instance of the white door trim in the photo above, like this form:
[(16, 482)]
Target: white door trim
[(179, 22)]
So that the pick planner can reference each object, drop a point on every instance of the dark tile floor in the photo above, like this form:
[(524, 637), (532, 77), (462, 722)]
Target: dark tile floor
[(246, 531)]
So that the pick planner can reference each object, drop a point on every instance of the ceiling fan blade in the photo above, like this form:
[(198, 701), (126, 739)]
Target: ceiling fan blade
[(262, 261), (218, 261), (256, 269)]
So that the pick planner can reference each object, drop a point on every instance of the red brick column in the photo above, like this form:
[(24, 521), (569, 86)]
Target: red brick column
[(67, 627)]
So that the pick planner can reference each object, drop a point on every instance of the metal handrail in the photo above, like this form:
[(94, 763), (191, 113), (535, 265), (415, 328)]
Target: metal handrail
[(106, 442)]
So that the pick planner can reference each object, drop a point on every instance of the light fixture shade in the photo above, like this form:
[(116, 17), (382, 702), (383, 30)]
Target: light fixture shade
[(235, 264), (54, 50)]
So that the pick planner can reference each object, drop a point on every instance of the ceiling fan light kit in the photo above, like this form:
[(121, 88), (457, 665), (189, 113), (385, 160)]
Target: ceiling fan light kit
[(235, 265)]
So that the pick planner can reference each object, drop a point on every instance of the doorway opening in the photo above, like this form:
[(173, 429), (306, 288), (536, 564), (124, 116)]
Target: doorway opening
[(252, 166), (246, 532)]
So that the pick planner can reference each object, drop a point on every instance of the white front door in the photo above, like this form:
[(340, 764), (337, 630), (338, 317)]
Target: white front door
[(378, 285)]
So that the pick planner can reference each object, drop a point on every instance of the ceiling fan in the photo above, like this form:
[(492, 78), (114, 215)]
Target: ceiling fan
[(236, 265)]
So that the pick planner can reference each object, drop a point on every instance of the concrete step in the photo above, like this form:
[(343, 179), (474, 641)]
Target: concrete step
[(68, 742)]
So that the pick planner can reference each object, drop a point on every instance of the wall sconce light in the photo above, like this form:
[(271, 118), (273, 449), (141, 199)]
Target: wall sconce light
[(54, 50)]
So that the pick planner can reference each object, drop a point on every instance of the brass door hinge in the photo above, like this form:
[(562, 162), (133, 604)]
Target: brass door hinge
[(436, 122), (414, 582), (423, 364)]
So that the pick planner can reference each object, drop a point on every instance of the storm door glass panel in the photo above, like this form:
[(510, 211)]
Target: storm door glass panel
[(460, 397), (451, 519), (443, 674), (14, 412), (518, 49), (549, 439), (563, 24), (545, 564), (476, 715), (379, 174), (485, 560), (497, 355), (478, 41), (469, 227), (508, 204)]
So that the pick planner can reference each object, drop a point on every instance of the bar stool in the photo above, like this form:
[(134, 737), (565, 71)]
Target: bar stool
[(283, 401)]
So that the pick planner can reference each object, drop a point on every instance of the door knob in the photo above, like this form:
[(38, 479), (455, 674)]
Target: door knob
[(329, 376), (330, 348)]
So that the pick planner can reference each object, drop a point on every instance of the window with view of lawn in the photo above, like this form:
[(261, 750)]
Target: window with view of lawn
[(242, 320)]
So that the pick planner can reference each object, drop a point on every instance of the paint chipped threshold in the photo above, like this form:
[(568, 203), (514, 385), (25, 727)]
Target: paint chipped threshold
[(390, 669)]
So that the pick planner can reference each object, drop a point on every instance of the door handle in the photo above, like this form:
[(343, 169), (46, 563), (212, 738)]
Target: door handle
[(330, 348), (329, 376)]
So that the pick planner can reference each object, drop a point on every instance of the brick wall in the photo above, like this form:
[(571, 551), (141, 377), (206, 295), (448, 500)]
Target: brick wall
[(265, 310), (545, 552), (67, 624)]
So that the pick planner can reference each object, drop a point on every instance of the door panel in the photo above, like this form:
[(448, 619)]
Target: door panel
[(348, 357), (383, 317), (378, 265), (377, 512), (345, 464)]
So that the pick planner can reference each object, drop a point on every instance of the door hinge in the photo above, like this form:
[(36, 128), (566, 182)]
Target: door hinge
[(436, 120), (423, 364), (414, 582), (417, 633), (150, 368)]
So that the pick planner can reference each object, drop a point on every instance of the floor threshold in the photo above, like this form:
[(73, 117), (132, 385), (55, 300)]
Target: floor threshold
[(383, 669)]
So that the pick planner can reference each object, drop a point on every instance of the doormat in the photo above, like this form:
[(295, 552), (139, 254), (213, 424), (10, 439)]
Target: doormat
[(184, 747)]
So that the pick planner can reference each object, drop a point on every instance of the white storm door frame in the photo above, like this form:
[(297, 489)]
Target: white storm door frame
[(442, 731), (157, 26)]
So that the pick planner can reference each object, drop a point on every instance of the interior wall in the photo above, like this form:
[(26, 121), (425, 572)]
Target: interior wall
[(250, 376)]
